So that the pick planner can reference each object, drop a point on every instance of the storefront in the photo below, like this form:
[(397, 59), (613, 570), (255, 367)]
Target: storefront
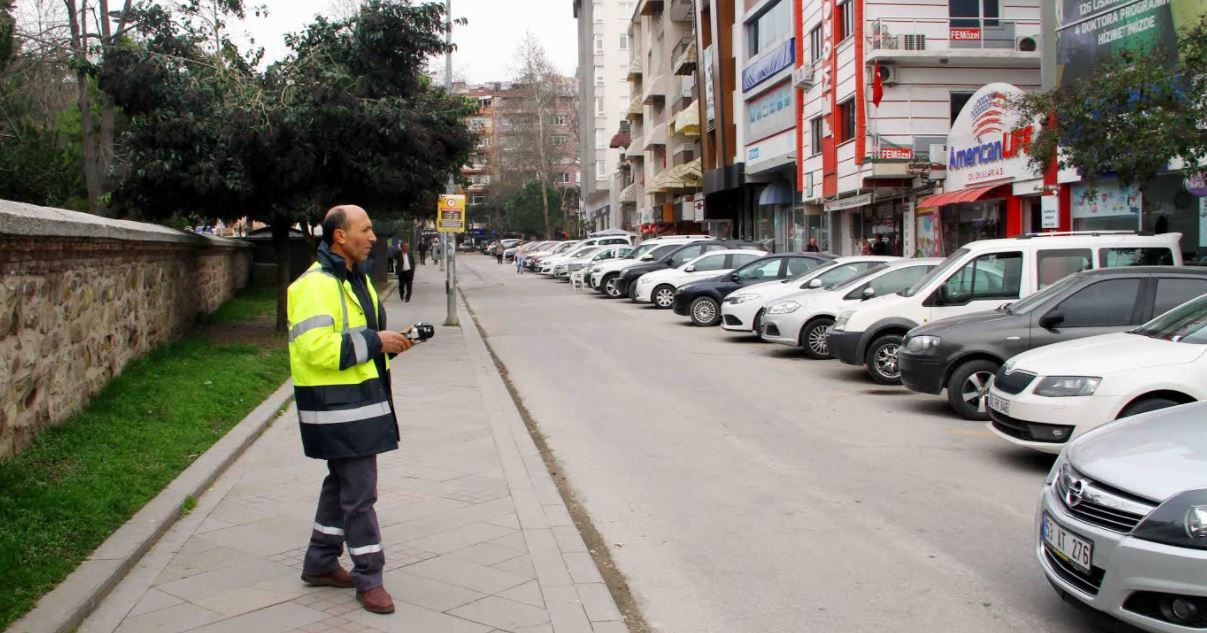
[(1171, 204), (991, 190)]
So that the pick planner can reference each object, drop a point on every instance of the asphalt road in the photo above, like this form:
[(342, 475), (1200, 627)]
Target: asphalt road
[(743, 487)]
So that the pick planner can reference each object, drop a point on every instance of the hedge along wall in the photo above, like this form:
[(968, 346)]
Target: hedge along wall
[(81, 296)]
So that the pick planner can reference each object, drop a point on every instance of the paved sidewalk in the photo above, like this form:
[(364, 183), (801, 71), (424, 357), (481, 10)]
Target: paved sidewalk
[(477, 538)]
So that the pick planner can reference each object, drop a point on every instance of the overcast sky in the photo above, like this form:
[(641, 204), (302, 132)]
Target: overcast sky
[(485, 46)]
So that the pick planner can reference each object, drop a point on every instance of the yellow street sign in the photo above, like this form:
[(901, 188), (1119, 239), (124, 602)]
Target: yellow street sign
[(450, 215)]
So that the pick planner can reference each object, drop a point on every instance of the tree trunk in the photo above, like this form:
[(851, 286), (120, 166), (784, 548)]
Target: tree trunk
[(542, 173), (280, 244), (92, 176)]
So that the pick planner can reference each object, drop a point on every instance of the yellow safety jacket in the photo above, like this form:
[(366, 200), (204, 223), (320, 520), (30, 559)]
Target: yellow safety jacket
[(344, 406)]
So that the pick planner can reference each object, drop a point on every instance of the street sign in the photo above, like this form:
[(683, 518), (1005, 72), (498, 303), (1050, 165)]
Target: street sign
[(450, 215)]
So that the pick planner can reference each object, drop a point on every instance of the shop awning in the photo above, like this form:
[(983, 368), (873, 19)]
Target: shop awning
[(629, 194), (775, 193), (687, 122), (956, 197)]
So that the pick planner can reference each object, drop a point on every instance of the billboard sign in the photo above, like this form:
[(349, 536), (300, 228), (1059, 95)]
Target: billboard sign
[(1092, 31)]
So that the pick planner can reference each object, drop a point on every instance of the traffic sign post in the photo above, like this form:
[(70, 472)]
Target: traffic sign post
[(450, 220)]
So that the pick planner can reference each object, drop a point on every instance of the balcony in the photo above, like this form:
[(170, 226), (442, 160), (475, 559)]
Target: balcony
[(681, 10), (636, 148), (636, 108), (649, 7), (656, 137), (986, 42), (654, 91), (684, 57), (634, 69)]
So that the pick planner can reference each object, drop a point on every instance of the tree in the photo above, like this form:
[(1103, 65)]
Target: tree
[(1134, 114), (348, 117), (524, 212)]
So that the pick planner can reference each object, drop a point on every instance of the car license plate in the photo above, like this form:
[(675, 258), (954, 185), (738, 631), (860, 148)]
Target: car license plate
[(1076, 550), (1001, 405)]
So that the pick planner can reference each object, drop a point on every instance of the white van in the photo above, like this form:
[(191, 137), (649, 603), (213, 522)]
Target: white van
[(983, 276)]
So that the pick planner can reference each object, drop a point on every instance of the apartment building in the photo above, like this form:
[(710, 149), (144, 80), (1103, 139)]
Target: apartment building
[(478, 171), (905, 141), (603, 64)]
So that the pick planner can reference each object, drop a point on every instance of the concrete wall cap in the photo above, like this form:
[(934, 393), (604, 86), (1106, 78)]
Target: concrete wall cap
[(18, 218)]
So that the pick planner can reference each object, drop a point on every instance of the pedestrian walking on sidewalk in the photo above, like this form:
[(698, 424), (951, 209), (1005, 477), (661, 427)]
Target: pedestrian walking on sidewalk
[(422, 251), (406, 272), (339, 351), (519, 258), (499, 248)]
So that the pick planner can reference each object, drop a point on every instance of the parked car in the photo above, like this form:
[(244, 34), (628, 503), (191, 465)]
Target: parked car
[(742, 310), (1122, 520), (626, 282), (528, 248), (604, 277), (961, 354), (659, 286), (982, 276), (1043, 398), (805, 318), (605, 253), (534, 262), (547, 264), (701, 300)]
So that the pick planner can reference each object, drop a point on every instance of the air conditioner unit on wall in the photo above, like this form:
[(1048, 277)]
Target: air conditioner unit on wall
[(888, 74), (1026, 43), (803, 77), (912, 42)]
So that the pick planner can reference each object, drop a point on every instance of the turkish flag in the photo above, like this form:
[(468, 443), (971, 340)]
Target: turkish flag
[(877, 85)]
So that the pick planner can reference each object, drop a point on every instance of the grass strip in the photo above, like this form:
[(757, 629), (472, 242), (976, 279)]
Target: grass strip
[(80, 481)]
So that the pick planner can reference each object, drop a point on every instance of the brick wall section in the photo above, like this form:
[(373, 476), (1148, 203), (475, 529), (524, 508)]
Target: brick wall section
[(81, 296)]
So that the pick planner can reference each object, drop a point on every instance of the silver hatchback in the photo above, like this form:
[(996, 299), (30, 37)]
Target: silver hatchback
[(1122, 520)]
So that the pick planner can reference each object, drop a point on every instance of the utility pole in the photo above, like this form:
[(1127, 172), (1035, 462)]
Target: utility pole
[(450, 239)]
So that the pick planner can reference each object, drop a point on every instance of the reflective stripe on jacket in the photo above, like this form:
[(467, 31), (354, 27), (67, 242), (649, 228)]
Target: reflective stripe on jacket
[(344, 406)]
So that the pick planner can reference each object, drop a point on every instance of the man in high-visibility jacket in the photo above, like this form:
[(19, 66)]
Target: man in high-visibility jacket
[(339, 351)]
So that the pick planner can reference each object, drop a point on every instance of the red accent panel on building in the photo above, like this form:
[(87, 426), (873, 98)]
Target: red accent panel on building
[(829, 148), (1014, 216), (798, 31), (861, 106)]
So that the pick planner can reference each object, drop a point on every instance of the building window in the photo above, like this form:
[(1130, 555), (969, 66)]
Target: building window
[(769, 27), (478, 200), (846, 19), (563, 177), (958, 101), (558, 139), (626, 10), (599, 106), (846, 121), (816, 44), (561, 119), (624, 42), (597, 12), (599, 75), (601, 140), (600, 170), (599, 43), (816, 130), (975, 14)]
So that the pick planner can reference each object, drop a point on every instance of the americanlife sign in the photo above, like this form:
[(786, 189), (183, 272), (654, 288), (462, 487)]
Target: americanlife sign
[(1092, 31)]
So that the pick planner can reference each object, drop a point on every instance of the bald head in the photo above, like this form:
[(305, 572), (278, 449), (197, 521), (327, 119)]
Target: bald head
[(348, 232)]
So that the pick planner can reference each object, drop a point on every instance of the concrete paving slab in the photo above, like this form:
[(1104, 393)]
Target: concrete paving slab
[(502, 613)]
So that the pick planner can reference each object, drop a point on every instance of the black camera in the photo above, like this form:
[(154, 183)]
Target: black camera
[(421, 331)]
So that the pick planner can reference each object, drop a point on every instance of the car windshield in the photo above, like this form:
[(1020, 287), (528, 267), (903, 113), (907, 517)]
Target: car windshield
[(851, 281), (584, 252), (1033, 301), (816, 272), (636, 253), (840, 274), (660, 251), (938, 272), (1186, 323)]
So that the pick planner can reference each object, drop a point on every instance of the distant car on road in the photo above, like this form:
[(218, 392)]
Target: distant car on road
[(659, 287), (701, 300)]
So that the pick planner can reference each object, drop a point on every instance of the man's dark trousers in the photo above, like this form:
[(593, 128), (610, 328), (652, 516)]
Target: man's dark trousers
[(346, 515), (406, 281)]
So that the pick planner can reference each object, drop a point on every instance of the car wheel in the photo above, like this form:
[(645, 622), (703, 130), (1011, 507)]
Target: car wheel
[(814, 338), (881, 360), (705, 312), (758, 322), (1147, 404), (609, 287), (664, 297), (967, 385), (632, 290)]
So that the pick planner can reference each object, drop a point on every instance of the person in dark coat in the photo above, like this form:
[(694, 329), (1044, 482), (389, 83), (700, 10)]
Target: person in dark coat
[(406, 272), (422, 252)]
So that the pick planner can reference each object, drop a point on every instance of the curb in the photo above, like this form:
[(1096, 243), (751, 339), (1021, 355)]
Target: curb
[(65, 608)]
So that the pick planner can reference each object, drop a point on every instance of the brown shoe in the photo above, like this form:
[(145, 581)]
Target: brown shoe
[(338, 578), (376, 600)]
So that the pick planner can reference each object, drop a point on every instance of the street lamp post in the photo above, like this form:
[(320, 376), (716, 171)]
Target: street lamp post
[(450, 239)]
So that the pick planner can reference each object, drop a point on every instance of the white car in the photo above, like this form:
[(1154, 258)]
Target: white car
[(741, 311), (982, 276), (1045, 397), (533, 261), (659, 286), (580, 264), (549, 263), (603, 276), (804, 318)]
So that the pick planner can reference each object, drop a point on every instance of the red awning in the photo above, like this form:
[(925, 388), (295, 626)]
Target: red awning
[(956, 197)]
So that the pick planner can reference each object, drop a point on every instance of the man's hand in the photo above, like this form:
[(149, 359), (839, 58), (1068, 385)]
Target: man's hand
[(393, 342)]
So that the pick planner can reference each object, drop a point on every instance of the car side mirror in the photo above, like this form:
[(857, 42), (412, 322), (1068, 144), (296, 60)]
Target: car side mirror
[(647, 258), (689, 269), (814, 283), (734, 277), (868, 293), (1051, 320)]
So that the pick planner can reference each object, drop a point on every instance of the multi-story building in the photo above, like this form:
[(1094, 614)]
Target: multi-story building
[(603, 65), (906, 143), (478, 171)]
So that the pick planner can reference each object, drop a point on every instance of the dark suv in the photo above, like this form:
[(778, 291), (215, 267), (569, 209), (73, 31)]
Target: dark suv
[(701, 300), (961, 354), (626, 282)]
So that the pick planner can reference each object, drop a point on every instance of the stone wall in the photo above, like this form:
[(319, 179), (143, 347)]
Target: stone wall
[(81, 296)]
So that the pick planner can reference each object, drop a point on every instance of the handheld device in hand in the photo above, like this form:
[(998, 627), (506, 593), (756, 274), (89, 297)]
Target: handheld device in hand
[(421, 332)]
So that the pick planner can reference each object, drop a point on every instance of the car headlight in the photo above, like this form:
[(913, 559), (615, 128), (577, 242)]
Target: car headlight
[(736, 299), (787, 307), (1066, 386), (840, 324), (922, 343), (577, 266), (1181, 521)]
